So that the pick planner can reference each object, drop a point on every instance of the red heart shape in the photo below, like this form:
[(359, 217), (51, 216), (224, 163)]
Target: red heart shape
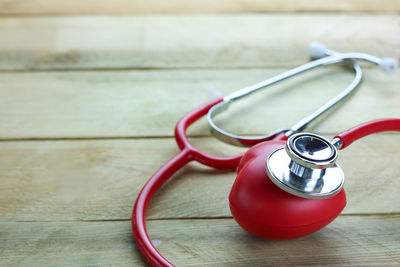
[(265, 210)]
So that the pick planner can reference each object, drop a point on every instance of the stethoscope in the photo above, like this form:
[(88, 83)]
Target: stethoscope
[(289, 184)]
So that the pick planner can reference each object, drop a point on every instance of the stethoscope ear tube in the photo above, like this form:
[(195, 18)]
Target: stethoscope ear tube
[(382, 125), (240, 140), (323, 57)]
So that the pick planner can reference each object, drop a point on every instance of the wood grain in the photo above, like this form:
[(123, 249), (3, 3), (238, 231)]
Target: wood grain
[(88, 104), (58, 7), (350, 240), (95, 180), (82, 42), (148, 103)]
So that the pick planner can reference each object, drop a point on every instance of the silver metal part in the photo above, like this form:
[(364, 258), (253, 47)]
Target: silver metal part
[(230, 138), (303, 123), (330, 58), (306, 167), (311, 151), (338, 143)]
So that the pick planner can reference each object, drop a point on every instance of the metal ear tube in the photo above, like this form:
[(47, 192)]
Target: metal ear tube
[(323, 57)]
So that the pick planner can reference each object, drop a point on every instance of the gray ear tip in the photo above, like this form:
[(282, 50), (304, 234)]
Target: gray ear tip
[(389, 64), (317, 50)]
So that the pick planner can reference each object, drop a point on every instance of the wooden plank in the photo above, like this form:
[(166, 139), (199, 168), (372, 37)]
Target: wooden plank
[(350, 240), (58, 7), (142, 104), (82, 42), (94, 180)]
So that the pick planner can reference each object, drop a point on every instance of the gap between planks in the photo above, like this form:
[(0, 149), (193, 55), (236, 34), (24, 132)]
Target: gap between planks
[(186, 218), (169, 68), (105, 138), (59, 7)]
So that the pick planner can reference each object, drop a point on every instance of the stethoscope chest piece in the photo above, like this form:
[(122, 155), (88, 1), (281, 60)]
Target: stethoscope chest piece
[(306, 167)]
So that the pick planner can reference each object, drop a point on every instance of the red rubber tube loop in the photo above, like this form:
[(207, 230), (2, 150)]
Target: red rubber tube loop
[(367, 128), (187, 154)]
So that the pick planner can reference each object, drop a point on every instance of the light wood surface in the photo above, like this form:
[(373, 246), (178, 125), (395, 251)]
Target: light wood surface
[(359, 240), (59, 7), (87, 110), (98, 180), (206, 41), (133, 103)]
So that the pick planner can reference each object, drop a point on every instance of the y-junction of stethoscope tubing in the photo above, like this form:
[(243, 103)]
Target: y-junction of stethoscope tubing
[(188, 153)]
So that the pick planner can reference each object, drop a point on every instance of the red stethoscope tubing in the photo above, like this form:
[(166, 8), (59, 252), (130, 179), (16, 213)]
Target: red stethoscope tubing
[(367, 128), (189, 152)]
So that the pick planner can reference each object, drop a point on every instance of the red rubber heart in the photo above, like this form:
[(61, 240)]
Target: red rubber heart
[(265, 210)]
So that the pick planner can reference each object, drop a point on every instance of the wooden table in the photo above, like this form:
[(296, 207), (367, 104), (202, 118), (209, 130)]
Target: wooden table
[(88, 105)]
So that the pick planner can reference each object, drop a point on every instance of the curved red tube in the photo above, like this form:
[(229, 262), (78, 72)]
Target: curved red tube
[(188, 153), (367, 128), (146, 194)]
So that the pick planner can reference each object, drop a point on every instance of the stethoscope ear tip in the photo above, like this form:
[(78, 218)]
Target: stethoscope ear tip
[(317, 50), (389, 64)]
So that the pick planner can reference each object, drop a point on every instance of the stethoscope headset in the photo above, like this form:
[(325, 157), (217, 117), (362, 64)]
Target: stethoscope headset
[(288, 184)]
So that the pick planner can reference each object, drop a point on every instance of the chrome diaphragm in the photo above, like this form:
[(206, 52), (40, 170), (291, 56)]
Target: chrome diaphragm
[(306, 167)]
